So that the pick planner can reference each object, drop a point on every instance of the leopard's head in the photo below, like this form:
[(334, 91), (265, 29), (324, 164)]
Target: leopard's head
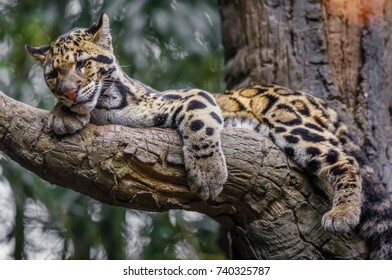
[(77, 64)]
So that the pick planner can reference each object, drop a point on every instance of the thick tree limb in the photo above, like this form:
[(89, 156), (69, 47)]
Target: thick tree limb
[(270, 207)]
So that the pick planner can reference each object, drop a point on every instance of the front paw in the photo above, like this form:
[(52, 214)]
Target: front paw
[(341, 219), (62, 121), (206, 176)]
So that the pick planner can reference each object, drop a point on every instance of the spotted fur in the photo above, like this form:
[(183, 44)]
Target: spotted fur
[(83, 74)]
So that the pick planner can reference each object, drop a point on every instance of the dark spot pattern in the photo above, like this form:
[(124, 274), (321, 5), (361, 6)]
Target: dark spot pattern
[(205, 146), (343, 140), (313, 101), (239, 106), (267, 122), (301, 107), (272, 137), (289, 152), (285, 108), (210, 131), (261, 90), (313, 166), (333, 142), (160, 120), (102, 59), (196, 125), (320, 122), (257, 128), (337, 123), (290, 93), (280, 129), (293, 122), (195, 105), (216, 117), (307, 135), (175, 114), (313, 151), (313, 126), (291, 139), (332, 156), (207, 97), (195, 147), (180, 119), (271, 100), (172, 96)]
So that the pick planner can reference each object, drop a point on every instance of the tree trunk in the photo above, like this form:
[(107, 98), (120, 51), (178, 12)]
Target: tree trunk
[(337, 50)]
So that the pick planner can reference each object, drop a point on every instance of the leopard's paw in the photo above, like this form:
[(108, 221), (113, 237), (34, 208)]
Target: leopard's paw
[(206, 175), (65, 122), (341, 219)]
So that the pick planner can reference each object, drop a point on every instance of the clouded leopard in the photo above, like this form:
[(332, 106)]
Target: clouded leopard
[(82, 72)]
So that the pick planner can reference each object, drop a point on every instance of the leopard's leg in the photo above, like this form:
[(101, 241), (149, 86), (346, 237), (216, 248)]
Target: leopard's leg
[(198, 120), (338, 173), (345, 178)]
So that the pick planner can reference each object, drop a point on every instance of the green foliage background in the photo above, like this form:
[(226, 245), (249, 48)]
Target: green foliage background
[(166, 44)]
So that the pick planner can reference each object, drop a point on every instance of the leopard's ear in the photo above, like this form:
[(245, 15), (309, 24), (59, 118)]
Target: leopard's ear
[(101, 33), (38, 53)]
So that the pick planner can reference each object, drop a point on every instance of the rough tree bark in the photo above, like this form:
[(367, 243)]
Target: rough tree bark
[(273, 212), (339, 50)]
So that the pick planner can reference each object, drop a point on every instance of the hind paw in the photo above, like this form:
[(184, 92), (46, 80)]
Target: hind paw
[(340, 219)]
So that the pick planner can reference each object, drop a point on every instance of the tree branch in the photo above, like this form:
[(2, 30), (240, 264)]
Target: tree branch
[(266, 197)]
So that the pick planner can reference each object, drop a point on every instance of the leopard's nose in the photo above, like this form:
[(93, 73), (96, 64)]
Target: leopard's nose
[(71, 94)]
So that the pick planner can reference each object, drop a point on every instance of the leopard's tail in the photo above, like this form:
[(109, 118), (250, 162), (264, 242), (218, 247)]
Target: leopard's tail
[(375, 225)]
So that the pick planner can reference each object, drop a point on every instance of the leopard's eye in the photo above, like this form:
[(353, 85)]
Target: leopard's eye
[(53, 74), (80, 64)]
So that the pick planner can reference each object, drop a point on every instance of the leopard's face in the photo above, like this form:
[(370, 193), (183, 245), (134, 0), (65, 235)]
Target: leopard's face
[(77, 65)]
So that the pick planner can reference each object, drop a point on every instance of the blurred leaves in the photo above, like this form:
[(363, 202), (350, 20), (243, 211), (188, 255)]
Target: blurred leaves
[(166, 44)]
